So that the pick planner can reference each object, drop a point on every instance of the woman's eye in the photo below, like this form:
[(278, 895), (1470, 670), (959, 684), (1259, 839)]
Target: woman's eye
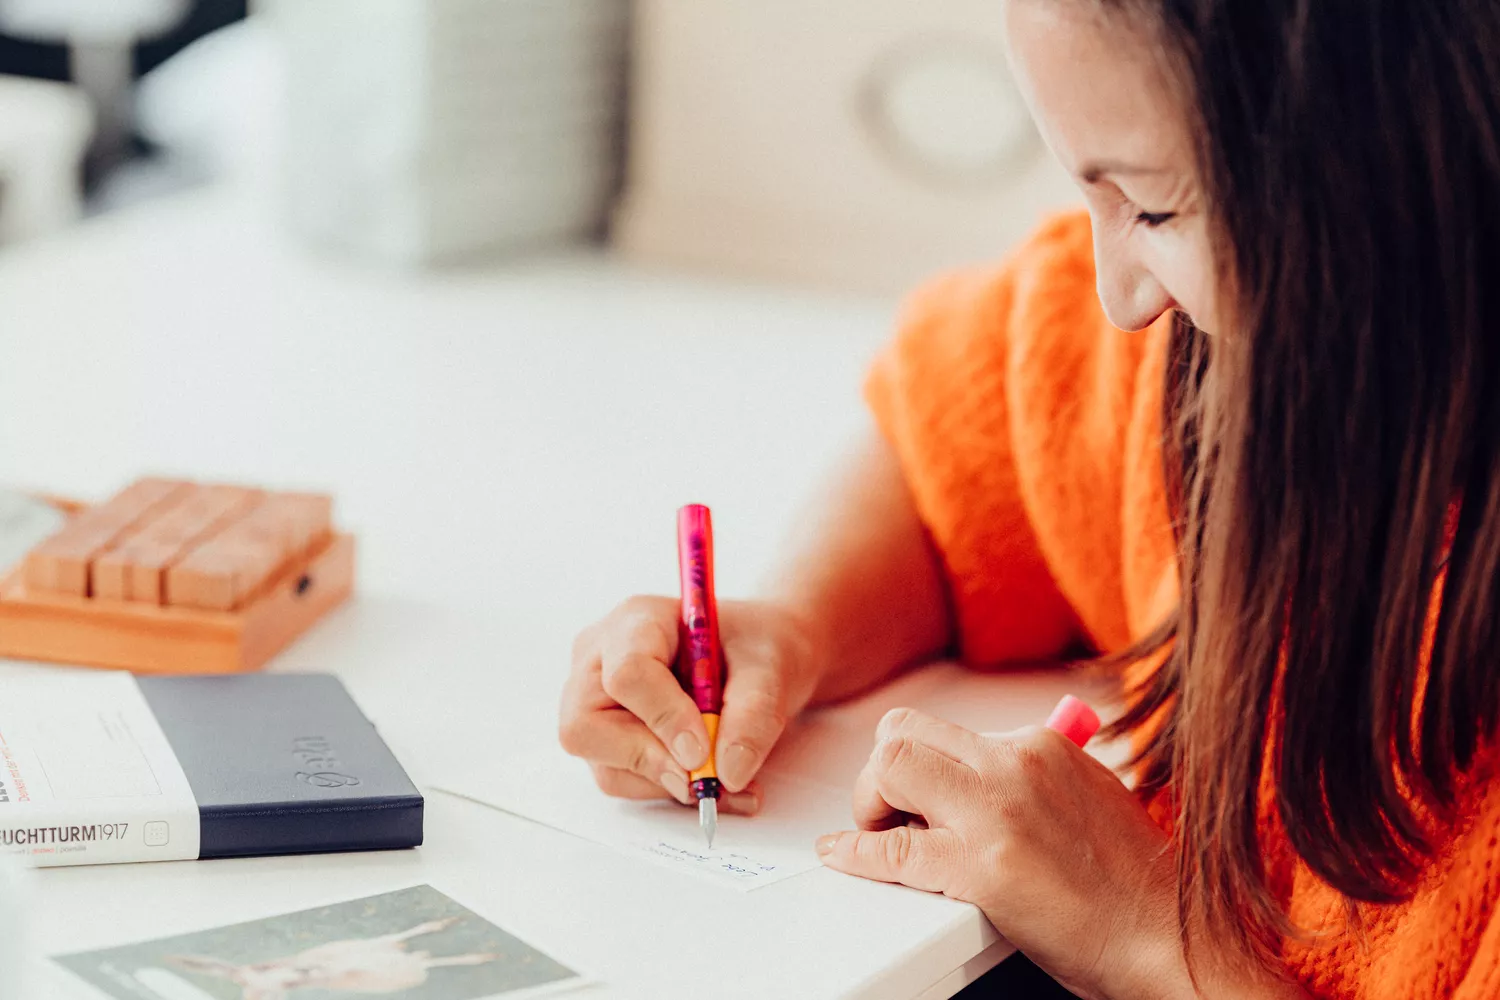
[(1153, 219)]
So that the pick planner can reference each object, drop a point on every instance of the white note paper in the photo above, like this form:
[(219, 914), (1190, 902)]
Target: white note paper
[(554, 789)]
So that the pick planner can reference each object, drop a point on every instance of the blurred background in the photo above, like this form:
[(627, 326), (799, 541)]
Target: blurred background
[(474, 266), (853, 146)]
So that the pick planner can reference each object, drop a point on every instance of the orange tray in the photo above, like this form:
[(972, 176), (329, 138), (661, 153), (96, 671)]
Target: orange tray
[(149, 638)]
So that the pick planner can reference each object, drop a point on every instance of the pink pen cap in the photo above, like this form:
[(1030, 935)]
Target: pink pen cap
[(1074, 719)]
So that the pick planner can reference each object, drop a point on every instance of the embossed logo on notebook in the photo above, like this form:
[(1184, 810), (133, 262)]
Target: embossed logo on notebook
[(327, 779), (323, 769)]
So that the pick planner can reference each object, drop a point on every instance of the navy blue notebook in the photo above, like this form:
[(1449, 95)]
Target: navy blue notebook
[(284, 764)]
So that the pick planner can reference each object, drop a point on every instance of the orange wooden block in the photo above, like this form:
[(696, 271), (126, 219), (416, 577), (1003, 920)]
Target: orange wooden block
[(109, 576), (134, 567), (227, 569), (310, 516), (207, 580), (46, 625), (159, 543), (61, 563)]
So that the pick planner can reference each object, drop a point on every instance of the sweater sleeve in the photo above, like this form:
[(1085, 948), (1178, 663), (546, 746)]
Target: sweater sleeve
[(1482, 980), (1029, 431)]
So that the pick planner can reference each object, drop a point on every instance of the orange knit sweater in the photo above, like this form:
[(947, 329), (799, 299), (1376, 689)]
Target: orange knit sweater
[(1030, 433)]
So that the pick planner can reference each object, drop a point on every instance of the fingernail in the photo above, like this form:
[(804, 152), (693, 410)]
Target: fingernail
[(825, 844), (738, 766), (676, 784), (747, 803), (688, 751)]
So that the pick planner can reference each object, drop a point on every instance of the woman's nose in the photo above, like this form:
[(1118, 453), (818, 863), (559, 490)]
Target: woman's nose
[(1132, 297)]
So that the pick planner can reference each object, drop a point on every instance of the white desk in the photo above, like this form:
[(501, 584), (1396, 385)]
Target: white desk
[(509, 446)]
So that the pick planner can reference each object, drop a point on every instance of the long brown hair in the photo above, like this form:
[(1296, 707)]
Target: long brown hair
[(1351, 153)]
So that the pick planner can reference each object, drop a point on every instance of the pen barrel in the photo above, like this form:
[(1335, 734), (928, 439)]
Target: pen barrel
[(700, 656), (702, 673)]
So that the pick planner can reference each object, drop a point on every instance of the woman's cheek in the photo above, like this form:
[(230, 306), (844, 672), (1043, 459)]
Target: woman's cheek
[(1186, 270)]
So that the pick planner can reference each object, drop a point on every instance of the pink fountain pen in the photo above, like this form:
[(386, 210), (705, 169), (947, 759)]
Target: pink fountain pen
[(700, 663)]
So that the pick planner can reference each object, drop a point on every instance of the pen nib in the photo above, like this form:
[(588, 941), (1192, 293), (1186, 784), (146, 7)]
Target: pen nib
[(708, 817)]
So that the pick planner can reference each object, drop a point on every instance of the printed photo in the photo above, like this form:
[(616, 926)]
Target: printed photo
[(414, 944)]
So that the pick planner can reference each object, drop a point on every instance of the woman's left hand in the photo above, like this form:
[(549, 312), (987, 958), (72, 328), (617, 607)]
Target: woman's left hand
[(1060, 856)]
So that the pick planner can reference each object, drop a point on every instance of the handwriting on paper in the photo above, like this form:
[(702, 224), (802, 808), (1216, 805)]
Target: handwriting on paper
[(750, 851), (739, 867)]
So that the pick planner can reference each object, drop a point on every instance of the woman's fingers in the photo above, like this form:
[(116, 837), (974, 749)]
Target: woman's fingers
[(943, 736), (623, 707), (907, 776), (742, 803), (614, 738), (636, 654), (922, 859), (917, 759), (873, 810), (754, 716), (626, 785)]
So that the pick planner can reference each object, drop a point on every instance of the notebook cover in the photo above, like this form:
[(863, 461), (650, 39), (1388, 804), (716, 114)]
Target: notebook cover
[(284, 764)]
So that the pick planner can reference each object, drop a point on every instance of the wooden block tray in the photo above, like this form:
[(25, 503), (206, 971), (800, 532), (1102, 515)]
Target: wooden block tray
[(150, 638)]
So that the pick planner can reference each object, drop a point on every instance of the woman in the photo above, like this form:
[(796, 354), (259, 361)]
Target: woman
[(1277, 506)]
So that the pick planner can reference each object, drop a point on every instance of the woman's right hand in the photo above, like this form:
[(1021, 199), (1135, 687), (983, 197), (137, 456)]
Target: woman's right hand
[(624, 711)]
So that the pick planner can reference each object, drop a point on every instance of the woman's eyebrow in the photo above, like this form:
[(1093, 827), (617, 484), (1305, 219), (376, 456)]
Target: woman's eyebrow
[(1095, 170)]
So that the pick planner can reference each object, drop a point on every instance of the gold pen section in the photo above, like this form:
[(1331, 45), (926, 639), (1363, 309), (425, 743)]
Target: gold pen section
[(708, 770)]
